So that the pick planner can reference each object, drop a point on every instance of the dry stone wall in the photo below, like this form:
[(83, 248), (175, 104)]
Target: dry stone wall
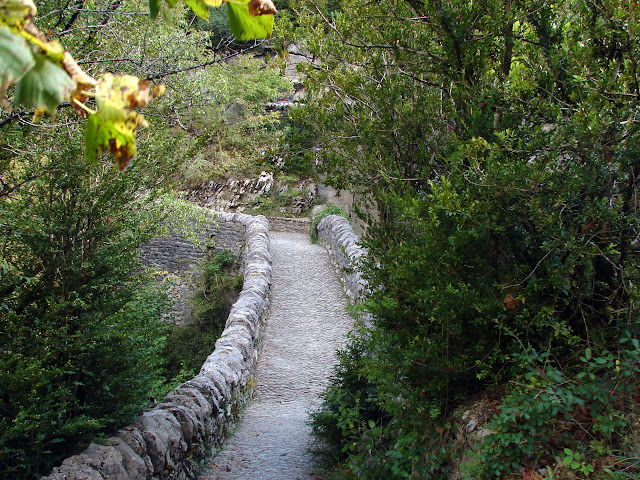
[(337, 235), (169, 441), (174, 253)]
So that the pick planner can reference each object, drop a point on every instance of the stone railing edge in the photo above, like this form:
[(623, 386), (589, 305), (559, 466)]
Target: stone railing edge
[(170, 440), (337, 235)]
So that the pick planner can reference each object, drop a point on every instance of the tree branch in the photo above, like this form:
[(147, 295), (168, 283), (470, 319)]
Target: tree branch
[(161, 75)]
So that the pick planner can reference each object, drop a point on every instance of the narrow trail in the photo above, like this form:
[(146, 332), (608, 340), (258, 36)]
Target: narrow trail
[(307, 322)]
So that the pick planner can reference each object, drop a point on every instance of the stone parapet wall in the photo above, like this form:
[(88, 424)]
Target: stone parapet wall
[(169, 441), (296, 225), (336, 234)]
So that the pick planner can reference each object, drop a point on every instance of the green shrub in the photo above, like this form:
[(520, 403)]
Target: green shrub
[(499, 147), (349, 409), (549, 414), (325, 212), (82, 328), (368, 437)]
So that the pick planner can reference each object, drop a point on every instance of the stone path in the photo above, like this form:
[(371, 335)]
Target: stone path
[(306, 323)]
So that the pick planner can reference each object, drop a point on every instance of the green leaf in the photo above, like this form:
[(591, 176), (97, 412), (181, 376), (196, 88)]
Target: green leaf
[(15, 56), (199, 8), (372, 424), (154, 8), (587, 354), (246, 27), (91, 148), (45, 86)]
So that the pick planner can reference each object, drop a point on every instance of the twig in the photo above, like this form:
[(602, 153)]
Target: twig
[(532, 272)]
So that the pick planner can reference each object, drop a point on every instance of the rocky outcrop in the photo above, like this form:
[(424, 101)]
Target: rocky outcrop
[(232, 194), (169, 441), (239, 195), (299, 196), (293, 57)]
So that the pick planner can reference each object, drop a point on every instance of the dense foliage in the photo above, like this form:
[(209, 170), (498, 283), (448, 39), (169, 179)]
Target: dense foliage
[(322, 213), (82, 328), (497, 144), (84, 341)]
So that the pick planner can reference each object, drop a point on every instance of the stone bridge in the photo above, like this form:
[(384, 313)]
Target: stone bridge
[(277, 349)]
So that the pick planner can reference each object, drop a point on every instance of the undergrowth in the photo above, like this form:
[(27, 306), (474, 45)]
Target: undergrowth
[(580, 423), (189, 345), (330, 209)]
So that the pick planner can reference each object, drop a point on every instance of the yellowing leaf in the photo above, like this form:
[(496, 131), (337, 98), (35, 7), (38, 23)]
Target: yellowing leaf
[(15, 13), (117, 136), (199, 8), (122, 92), (214, 3), (114, 125)]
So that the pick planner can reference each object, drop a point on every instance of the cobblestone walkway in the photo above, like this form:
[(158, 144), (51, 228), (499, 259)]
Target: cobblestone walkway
[(306, 323)]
